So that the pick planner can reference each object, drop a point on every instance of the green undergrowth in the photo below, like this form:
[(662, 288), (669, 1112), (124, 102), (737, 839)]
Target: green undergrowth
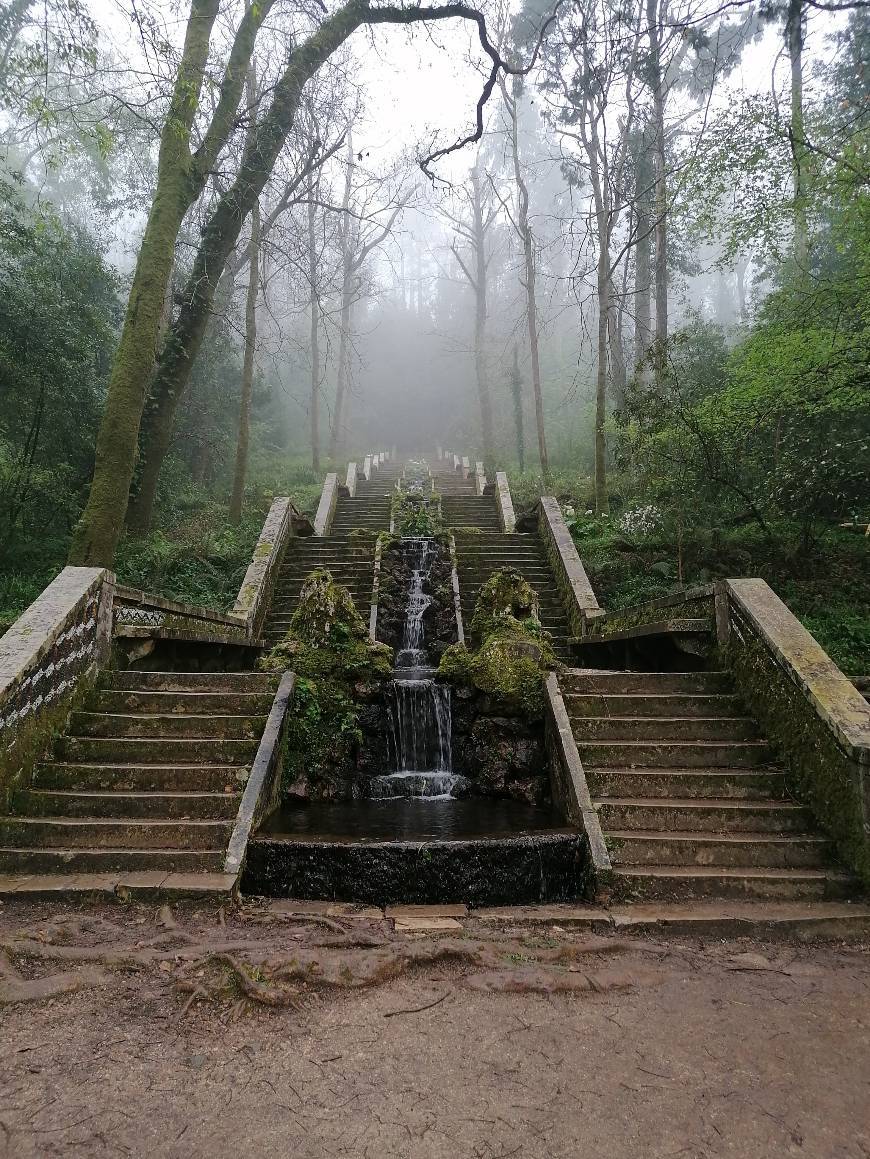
[(416, 514), (509, 651), (328, 648), (827, 587)]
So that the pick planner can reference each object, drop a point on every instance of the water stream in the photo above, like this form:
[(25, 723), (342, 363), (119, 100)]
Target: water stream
[(420, 712)]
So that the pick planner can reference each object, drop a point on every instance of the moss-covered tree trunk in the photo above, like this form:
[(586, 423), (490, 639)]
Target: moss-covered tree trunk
[(181, 176), (241, 468)]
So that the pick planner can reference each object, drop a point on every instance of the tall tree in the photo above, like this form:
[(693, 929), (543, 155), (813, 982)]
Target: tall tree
[(474, 229), (524, 231), (181, 177)]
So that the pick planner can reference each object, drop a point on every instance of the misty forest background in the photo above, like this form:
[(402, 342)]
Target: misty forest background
[(645, 289)]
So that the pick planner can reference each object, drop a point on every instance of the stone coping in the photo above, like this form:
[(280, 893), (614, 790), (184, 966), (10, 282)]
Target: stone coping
[(505, 502), (254, 593), (350, 479), (457, 597), (326, 507), (571, 576), (137, 597), (649, 610), (578, 803), (833, 697), (259, 791), (479, 478)]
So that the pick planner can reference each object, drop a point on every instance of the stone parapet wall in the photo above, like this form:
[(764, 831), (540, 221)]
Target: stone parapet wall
[(326, 507), (505, 503), (570, 791), (252, 602), (48, 661), (571, 578), (816, 719), (689, 604)]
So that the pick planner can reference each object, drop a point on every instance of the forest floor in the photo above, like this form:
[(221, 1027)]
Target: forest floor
[(358, 1041)]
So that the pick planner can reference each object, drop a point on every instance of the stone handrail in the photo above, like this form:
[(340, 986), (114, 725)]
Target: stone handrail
[(466, 467), (457, 597), (571, 578), (48, 660), (264, 781), (808, 709), (376, 588), (142, 614), (689, 603), (479, 478), (569, 786), (350, 479), (252, 602), (326, 507), (505, 503)]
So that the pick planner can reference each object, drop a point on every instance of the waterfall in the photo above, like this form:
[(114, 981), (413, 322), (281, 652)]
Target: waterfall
[(420, 713)]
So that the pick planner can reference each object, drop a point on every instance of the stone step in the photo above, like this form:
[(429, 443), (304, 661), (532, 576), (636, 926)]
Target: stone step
[(741, 784), (647, 683), (155, 750), (682, 847), (685, 754), (585, 704), (719, 815), (112, 833), (65, 861), (130, 680), (104, 724), (184, 703), (664, 728), (140, 778), (678, 882), (200, 806)]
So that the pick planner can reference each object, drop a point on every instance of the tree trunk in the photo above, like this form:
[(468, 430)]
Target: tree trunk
[(602, 504), (347, 246), (480, 318), (241, 470), (181, 177), (314, 308), (530, 281), (642, 254), (794, 38), (517, 393), (655, 13)]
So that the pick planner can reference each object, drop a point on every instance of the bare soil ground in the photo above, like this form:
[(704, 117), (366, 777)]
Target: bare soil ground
[(134, 1030)]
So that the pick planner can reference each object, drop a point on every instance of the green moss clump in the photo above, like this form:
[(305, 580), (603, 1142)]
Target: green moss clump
[(511, 652), (506, 595), (328, 648)]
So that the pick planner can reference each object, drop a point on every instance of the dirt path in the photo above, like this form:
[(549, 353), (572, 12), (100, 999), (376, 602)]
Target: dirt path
[(664, 1049)]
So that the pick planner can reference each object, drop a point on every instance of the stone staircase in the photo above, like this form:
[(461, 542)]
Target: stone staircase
[(690, 799), (349, 559), (148, 777), (480, 554)]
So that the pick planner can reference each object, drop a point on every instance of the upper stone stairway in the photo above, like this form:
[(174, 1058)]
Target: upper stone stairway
[(148, 776), (690, 799), (350, 559), (481, 552)]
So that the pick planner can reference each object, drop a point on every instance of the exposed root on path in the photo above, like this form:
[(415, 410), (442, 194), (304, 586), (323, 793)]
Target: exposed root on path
[(240, 961)]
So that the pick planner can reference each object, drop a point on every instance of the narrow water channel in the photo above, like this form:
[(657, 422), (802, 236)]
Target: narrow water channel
[(420, 710)]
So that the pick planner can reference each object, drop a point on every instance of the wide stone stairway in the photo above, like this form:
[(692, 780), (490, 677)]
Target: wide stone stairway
[(147, 777), (689, 797)]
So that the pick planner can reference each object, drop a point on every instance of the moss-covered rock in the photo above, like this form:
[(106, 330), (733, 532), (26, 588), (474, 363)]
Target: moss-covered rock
[(510, 652), (506, 595), (338, 670), (417, 513)]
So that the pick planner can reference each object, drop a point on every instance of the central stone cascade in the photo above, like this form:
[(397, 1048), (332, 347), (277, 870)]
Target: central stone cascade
[(420, 711)]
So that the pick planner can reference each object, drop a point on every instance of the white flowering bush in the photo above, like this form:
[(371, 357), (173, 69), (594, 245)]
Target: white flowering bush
[(640, 521)]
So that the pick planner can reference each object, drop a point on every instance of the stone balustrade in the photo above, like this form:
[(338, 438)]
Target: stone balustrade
[(571, 578)]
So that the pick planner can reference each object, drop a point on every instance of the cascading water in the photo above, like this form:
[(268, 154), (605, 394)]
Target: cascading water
[(420, 714)]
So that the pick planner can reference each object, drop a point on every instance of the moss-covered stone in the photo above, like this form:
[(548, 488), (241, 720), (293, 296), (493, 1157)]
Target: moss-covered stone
[(510, 652), (506, 595), (337, 668)]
